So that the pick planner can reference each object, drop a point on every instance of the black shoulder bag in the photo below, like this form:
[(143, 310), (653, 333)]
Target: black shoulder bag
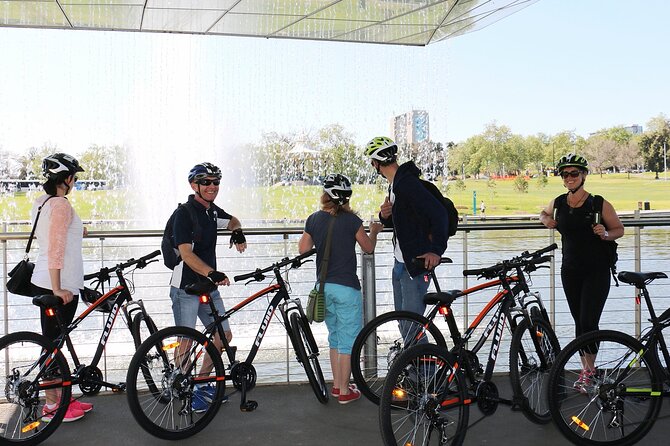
[(21, 275)]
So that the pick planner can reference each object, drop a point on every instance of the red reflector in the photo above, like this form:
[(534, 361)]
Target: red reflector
[(637, 299), (444, 311), (426, 278), (50, 312), (204, 299)]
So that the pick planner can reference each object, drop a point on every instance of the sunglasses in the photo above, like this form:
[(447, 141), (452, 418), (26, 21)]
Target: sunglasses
[(572, 173), (208, 182)]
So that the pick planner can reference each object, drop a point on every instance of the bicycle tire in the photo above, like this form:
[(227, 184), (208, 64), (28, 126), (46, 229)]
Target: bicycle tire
[(528, 376), (139, 322), (388, 343), (584, 412), (308, 356), (424, 399), (173, 414), (22, 381)]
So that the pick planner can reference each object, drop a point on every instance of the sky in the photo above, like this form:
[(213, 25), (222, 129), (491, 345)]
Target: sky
[(578, 65)]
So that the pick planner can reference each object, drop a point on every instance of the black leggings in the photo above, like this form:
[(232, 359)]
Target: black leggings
[(586, 292), (50, 327)]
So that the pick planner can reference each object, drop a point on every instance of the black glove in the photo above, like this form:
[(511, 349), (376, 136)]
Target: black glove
[(217, 276), (237, 237)]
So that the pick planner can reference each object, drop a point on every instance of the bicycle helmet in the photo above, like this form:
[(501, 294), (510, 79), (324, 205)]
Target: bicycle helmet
[(91, 296), (338, 188), (203, 170), (382, 149), (59, 163), (572, 160)]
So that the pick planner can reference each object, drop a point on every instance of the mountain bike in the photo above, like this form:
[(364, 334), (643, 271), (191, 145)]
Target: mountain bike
[(616, 398), (381, 341), (31, 363), (429, 388), (185, 361)]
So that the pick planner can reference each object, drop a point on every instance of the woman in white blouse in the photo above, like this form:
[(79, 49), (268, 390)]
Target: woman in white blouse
[(59, 268)]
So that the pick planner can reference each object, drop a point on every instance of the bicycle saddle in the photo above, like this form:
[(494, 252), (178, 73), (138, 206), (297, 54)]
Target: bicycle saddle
[(640, 279), (445, 297), (47, 301), (200, 288)]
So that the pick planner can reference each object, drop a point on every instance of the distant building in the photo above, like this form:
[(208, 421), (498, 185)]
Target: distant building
[(634, 129), (411, 128)]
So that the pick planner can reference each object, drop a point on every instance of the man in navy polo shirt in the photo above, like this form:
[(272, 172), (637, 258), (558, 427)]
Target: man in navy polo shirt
[(197, 249)]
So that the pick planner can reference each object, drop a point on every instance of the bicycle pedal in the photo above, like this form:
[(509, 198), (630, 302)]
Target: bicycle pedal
[(249, 406), (119, 388)]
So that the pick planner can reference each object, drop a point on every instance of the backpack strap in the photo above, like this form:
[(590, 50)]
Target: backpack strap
[(194, 219), (597, 209), (558, 202)]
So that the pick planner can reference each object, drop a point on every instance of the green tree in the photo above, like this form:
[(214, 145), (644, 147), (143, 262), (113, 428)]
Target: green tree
[(655, 143), (105, 163)]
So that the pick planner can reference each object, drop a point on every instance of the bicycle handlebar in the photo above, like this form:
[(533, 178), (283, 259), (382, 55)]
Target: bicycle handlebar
[(104, 272), (295, 262), (527, 260)]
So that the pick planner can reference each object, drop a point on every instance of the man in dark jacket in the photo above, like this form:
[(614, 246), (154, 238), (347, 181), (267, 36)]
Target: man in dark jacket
[(419, 222)]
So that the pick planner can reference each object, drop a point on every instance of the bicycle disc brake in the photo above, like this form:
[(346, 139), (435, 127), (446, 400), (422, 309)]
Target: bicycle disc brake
[(487, 397)]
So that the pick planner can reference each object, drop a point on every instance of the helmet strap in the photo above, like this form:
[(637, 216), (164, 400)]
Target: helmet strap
[(200, 195), (576, 189)]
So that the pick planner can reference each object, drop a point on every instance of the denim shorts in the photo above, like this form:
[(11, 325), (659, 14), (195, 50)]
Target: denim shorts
[(344, 316), (187, 307)]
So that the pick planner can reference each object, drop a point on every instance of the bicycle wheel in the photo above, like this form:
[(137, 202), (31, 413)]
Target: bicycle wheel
[(380, 342), (31, 372), (308, 356), (531, 344), (423, 400), (618, 404), (190, 375), (141, 328)]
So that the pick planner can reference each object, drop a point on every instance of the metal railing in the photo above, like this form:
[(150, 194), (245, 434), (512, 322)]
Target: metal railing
[(477, 244)]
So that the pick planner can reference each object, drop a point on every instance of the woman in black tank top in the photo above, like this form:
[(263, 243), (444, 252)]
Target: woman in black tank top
[(585, 270)]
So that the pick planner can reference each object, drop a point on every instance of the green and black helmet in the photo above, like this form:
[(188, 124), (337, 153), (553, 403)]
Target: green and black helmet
[(382, 149), (572, 160)]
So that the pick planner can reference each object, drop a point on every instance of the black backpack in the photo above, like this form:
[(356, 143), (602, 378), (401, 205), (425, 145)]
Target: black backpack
[(171, 257), (452, 212), (610, 245)]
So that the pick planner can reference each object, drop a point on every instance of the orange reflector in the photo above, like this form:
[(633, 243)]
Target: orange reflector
[(449, 402), (50, 312), (30, 427), (170, 346), (579, 423), (204, 299), (399, 394), (539, 334), (444, 311)]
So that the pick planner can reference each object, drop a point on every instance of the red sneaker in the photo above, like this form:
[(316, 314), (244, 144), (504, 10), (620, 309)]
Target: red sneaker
[(353, 395), (335, 392), (84, 407)]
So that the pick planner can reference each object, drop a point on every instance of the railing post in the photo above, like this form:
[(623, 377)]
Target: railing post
[(638, 268), (465, 278), (288, 348), (552, 281), (5, 294), (369, 290)]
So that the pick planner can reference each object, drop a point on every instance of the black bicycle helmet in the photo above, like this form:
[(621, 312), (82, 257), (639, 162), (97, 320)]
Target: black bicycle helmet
[(58, 163), (203, 170), (338, 188), (572, 160)]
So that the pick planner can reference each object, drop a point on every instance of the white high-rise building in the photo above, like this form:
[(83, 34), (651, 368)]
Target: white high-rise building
[(411, 128)]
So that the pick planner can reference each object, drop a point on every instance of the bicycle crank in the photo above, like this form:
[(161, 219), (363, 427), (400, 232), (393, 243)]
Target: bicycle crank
[(487, 397)]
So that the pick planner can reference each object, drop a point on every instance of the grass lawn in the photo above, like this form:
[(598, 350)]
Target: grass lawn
[(297, 202)]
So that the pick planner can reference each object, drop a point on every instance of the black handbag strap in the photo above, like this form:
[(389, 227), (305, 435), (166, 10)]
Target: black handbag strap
[(37, 217), (326, 255)]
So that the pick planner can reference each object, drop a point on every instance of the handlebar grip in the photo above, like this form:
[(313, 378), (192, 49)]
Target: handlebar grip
[(151, 255), (545, 250), (246, 276), (91, 276), (474, 272)]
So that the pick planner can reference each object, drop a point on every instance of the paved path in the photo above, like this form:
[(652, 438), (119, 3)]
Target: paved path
[(291, 416)]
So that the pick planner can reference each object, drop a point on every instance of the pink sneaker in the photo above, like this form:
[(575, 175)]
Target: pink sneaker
[(84, 407), (71, 414), (353, 395)]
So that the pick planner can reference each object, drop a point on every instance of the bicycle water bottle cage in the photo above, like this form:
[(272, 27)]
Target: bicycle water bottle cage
[(200, 288)]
